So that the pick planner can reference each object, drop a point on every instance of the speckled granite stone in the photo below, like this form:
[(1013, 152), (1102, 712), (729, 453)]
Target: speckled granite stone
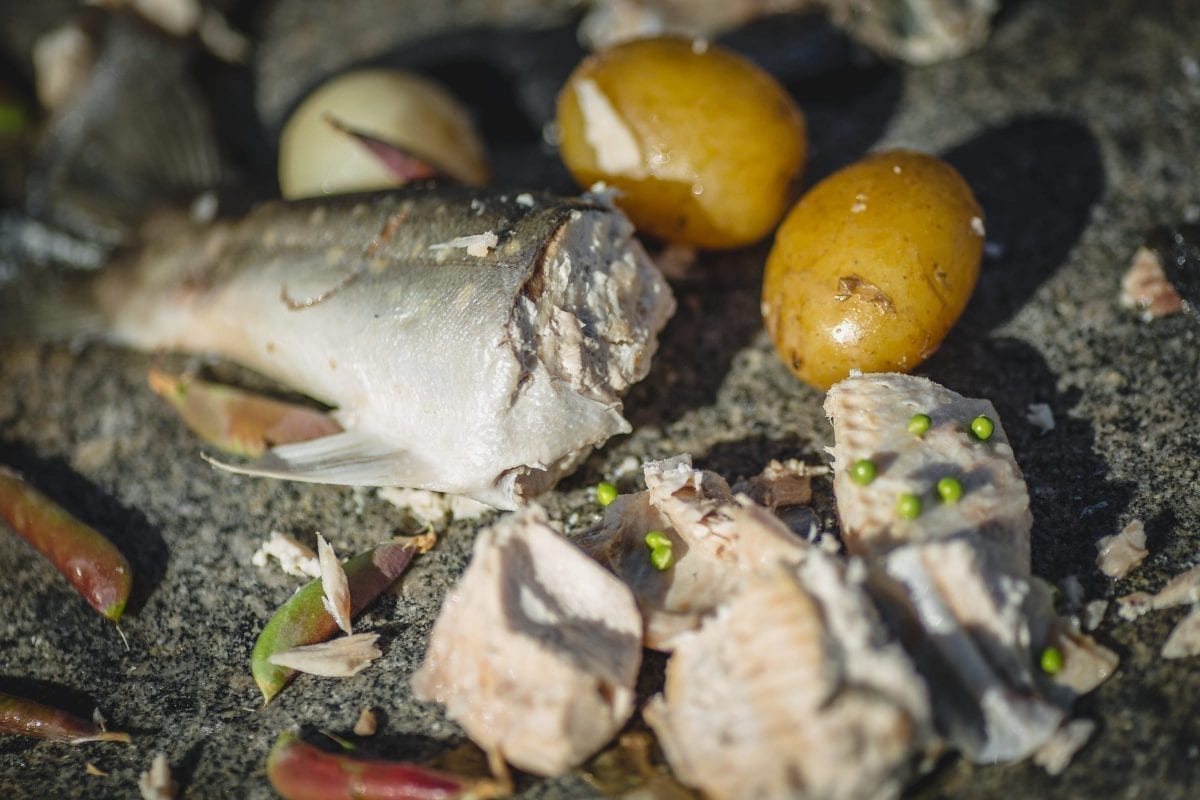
[(1077, 127)]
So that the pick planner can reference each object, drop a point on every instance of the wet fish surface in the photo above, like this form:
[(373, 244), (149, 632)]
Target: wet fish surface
[(472, 342)]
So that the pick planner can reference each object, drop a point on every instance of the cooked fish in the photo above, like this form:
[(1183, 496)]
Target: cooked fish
[(956, 574), (536, 650), (485, 372), (717, 545), (792, 691)]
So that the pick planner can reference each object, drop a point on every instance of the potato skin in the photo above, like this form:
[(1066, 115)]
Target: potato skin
[(872, 267), (705, 147)]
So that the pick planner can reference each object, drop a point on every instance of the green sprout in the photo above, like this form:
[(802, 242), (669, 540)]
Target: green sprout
[(949, 489), (983, 428), (862, 471), (918, 424), (908, 506), (606, 492)]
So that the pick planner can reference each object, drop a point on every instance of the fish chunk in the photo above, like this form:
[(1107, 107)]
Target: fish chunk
[(717, 544), (486, 375), (536, 650), (956, 577), (792, 691), (870, 415)]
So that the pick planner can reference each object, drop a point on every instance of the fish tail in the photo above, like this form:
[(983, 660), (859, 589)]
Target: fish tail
[(51, 306)]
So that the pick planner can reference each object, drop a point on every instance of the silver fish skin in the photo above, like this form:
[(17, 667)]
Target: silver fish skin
[(485, 366)]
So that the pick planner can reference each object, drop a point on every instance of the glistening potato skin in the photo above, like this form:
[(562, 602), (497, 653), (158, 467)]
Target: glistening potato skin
[(704, 147), (872, 267)]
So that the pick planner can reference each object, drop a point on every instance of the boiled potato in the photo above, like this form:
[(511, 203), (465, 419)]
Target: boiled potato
[(872, 267), (396, 107), (704, 146)]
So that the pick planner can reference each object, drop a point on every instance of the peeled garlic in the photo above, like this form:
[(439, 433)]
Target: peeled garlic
[(399, 108)]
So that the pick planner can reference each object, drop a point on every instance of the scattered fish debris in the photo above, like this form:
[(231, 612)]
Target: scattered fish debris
[(1184, 639), (1145, 288), (157, 783), (1040, 416), (478, 245), (335, 588), (367, 723), (294, 557), (342, 657), (1122, 552)]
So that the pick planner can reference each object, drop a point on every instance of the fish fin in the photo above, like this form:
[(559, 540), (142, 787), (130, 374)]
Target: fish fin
[(349, 458)]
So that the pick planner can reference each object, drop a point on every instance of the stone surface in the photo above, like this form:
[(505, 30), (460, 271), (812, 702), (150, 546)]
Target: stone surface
[(1076, 126)]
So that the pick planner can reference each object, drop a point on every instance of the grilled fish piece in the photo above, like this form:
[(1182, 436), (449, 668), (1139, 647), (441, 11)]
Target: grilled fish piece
[(472, 342), (719, 544), (957, 577), (537, 648), (792, 690)]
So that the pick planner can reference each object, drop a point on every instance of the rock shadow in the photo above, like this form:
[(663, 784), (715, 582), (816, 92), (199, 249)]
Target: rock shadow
[(1037, 179), (847, 93)]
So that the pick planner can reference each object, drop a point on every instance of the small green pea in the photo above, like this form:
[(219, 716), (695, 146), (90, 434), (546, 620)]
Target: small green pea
[(918, 424), (908, 506), (862, 471), (661, 558), (657, 539), (606, 492), (1052, 661), (983, 428), (949, 489)]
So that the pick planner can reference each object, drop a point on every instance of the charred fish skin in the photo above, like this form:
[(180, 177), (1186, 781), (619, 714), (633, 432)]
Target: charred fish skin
[(473, 342), (956, 576)]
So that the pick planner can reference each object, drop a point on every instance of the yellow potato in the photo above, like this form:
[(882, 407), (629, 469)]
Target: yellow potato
[(704, 146), (872, 267)]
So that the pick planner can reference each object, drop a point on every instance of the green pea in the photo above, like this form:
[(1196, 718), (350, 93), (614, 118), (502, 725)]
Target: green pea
[(918, 424), (983, 428), (862, 471), (606, 492), (655, 539), (1052, 661), (949, 489), (661, 558), (908, 506)]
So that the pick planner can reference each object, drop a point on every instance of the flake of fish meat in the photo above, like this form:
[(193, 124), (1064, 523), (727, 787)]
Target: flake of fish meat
[(956, 575), (792, 690), (717, 544), (536, 650)]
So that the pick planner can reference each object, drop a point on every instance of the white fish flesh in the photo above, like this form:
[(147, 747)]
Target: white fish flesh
[(487, 375), (792, 691), (717, 545), (959, 572), (536, 650)]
